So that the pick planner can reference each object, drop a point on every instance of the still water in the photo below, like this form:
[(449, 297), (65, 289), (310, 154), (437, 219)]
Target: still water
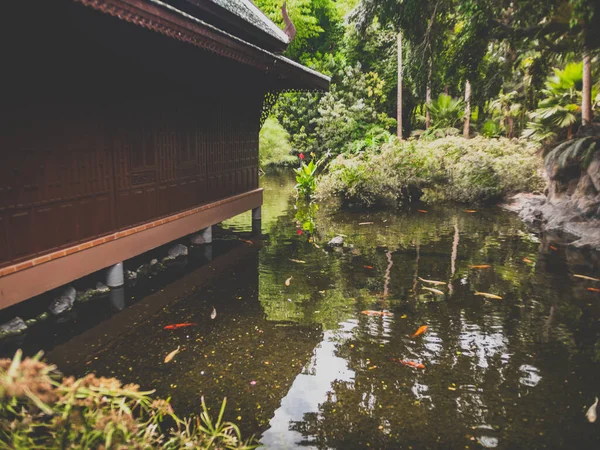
[(302, 367)]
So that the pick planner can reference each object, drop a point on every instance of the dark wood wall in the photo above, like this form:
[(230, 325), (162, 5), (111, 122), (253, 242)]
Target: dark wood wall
[(105, 126)]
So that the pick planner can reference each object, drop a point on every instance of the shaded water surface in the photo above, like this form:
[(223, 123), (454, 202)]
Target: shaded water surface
[(301, 366)]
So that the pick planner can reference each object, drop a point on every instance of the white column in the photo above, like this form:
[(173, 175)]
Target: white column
[(207, 235), (114, 276)]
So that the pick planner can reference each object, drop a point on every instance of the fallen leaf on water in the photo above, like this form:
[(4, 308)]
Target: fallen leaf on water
[(366, 223), (252, 383), (171, 355), (288, 281), (368, 267), (299, 261), (316, 245), (480, 266), (370, 312), (372, 367), (471, 211), (585, 277), (213, 314), (450, 388), (422, 329), (403, 316)]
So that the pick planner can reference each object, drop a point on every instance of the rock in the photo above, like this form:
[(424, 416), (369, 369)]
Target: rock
[(130, 275), (63, 303), (13, 327), (154, 262), (101, 288), (197, 239), (178, 250), (337, 241)]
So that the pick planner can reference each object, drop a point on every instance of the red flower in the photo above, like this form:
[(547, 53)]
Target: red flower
[(301, 156), (299, 232)]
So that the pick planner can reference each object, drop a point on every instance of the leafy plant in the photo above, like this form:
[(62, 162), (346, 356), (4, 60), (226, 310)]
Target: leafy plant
[(446, 112), (40, 410), (306, 178), (491, 129), (274, 147)]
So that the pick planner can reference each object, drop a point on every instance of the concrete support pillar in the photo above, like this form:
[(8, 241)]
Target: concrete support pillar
[(117, 299), (257, 220), (208, 252), (207, 235), (114, 276)]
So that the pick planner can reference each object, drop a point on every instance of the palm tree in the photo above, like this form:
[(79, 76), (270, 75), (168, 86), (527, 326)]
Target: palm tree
[(446, 111), (506, 108)]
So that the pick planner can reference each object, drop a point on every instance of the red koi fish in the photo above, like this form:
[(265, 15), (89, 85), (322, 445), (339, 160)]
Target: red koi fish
[(480, 266), (552, 247), (368, 267), (421, 210), (370, 312), (413, 364), (527, 260), (422, 329), (594, 289), (176, 326)]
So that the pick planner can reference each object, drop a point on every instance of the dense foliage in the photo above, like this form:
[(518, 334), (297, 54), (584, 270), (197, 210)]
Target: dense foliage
[(40, 409), (274, 145), (451, 169)]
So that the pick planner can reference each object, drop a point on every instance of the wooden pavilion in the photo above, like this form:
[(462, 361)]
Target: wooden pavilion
[(126, 124)]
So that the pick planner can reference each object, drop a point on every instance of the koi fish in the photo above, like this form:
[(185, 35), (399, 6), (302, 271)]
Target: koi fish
[(288, 281), (591, 413), (316, 245), (585, 277), (176, 326), (527, 260), (213, 314), (480, 266), (594, 289), (435, 291), (299, 261), (552, 247), (413, 364), (246, 241), (171, 355), (422, 329), (368, 267), (421, 210), (366, 223), (486, 295), (370, 312), (435, 283), (470, 211)]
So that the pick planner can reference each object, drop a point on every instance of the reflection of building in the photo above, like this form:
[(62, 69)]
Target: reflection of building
[(127, 124)]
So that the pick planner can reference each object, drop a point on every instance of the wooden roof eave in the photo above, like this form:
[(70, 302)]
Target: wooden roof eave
[(164, 19)]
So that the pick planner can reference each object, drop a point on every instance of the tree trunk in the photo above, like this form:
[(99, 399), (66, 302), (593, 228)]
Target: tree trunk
[(511, 127), (428, 99), (399, 99), (467, 109), (586, 100)]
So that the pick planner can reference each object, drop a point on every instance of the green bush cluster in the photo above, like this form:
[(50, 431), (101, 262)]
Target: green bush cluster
[(40, 409), (475, 170), (274, 147)]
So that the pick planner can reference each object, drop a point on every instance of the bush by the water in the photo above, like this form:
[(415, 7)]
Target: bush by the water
[(40, 409), (274, 148), (475, 170)]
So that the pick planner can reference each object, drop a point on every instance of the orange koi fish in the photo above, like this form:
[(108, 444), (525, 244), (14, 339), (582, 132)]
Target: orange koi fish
[(246, 241), (413, 364), (176, 326), (594, 289), (527, 260), (552, 247), (422, 329), (470, 211), (368, 267), (370, 312), (421, 210), (480, 266)]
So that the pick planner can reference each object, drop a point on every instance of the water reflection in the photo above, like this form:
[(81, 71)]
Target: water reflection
[(510, 373)]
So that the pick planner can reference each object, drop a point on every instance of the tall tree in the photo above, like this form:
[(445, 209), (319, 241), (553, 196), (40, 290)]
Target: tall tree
[(586, 97), (399, 97), (467, 109)]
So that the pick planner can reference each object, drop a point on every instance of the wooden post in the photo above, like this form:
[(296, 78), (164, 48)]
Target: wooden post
[(399, 98), (467, 109)]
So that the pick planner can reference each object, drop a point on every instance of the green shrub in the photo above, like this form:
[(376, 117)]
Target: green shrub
[(274, 148), (306, 178), (491, 129), (40, 410), (475, 170)]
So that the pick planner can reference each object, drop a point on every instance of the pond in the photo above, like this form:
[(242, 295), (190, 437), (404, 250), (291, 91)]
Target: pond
[(303, 363)]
